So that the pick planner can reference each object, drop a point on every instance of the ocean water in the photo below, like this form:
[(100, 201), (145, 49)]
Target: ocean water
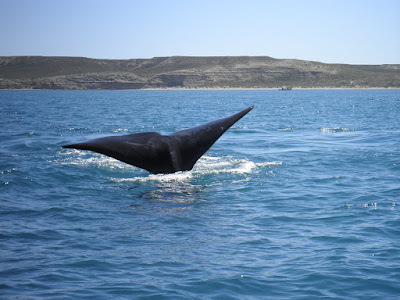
[(298, 200)]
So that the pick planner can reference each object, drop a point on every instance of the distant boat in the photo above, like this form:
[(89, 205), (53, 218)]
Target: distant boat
[(286, 88)]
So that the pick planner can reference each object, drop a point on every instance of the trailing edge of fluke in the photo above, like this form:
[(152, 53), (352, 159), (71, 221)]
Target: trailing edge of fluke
[(158, 153)]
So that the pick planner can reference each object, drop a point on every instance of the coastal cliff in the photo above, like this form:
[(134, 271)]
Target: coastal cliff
[(79, 73)]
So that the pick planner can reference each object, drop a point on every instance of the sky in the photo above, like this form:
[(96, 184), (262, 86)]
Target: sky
[(337, 31)]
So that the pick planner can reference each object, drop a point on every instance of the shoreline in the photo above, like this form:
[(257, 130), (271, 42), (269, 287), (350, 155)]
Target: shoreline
[(268, 89), (220, 89)]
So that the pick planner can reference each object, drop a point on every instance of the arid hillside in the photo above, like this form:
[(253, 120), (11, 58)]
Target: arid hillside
[(72, 73)]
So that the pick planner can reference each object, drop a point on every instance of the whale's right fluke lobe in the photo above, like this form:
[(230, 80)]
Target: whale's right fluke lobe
[(194, 142)]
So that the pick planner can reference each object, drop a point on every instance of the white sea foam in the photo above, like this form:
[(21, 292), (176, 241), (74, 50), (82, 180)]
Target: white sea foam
[(225, 164), (87, 159), (175, 177), (206, 165)]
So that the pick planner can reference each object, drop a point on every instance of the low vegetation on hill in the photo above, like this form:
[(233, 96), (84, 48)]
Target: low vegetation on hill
[(79, 73)]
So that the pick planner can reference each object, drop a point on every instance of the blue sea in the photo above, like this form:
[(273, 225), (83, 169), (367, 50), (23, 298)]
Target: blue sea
[(300, 199)]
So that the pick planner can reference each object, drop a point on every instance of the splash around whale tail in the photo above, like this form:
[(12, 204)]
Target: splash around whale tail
[(158, 153)]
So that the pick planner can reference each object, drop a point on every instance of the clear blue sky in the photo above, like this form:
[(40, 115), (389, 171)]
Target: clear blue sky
[(331, 31)]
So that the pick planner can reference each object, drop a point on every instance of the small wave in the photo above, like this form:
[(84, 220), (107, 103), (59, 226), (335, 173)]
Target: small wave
[(77, 129), (336, 129), (373, 205), (119, 130), (8, 171), (269, 163), (285, 129)]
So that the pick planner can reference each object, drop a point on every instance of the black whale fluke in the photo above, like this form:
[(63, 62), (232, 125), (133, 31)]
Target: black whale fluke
[(158, 153)]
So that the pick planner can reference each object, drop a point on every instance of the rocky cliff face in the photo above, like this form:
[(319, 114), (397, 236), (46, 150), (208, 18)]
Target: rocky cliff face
[(188, 72)]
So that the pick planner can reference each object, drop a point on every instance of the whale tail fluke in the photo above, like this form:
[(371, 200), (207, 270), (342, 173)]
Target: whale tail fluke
[(158, 153)]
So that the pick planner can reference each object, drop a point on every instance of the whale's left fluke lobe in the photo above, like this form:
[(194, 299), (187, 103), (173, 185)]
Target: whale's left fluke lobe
[(162, 153)]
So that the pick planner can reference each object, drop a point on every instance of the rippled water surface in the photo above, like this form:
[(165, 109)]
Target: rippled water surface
[(298, 200)]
